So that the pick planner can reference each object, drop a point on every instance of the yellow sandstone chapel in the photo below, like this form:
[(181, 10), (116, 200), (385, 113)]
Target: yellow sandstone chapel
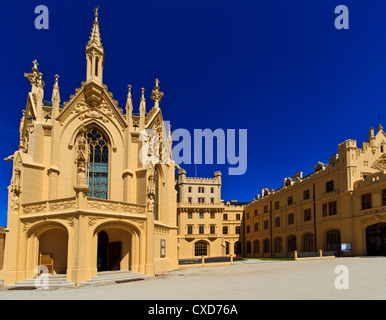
[(79, 195)]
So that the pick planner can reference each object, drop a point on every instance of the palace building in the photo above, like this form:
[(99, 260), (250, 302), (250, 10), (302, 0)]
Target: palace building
[(94, 190), (80, 196), (206, 225), (343, 201)]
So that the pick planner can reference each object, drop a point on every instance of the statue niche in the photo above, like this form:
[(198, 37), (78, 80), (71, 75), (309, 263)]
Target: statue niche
[(81, 161)]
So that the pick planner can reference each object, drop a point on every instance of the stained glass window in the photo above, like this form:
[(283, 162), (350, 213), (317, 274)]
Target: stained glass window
[(99, 163)]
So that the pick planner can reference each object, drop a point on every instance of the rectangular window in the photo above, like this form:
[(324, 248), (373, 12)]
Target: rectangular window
[(248, 229), (247, 215), (265, 209), (330, 186), (256, 226), (277, 222), (212, 215), (225, 230), (189, 189), (238, 217), (307, 215), (190, 215), (290, 200), (201, 229), (277, 205), (291, 218), (211, 200), (211, 190), (332, 208), (190, 200), (201, 215), (255, 212), (225, 216), (324, 210), (266, 224), (366, 201), (190, 229), (212, 228), (306, 194)]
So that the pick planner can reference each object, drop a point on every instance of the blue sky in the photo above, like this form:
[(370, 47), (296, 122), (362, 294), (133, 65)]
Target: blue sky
[(279, 69)]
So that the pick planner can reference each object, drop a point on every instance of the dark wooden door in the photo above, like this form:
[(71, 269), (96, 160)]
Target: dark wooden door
[(114, 256)]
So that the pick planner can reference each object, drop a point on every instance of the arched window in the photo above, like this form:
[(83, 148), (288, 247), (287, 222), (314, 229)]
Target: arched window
[(156, 193), (308, 242), (278, 245), (266, 246), (99, 164), (333, 241), (237, 247), (249, 249), (291, 243), (96, 65), (200, 249), (256, 246)]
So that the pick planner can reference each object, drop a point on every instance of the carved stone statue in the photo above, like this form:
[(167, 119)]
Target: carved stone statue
[(150, 203), (81, 161), (81, 174), (81, 147)]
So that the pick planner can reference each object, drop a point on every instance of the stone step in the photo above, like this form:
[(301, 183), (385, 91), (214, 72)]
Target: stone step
[(56, 281), (109, 277)]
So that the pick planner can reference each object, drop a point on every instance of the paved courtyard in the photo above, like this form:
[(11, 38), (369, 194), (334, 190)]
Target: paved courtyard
[(250, 279)]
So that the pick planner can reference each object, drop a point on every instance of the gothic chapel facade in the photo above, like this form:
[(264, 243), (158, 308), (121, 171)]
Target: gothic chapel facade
[(79, 190)]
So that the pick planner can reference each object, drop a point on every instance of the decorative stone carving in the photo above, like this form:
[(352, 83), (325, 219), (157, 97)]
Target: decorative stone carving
[(70, 221), (93, 220), (380, 163), (81, 162), (150, 191)]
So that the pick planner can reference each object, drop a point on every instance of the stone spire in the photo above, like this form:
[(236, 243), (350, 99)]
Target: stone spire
[(55, 98), (95, 62), (129, 103), (142, 111), (95, 37)]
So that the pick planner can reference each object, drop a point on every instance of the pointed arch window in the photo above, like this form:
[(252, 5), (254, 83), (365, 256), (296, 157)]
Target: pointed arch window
[(99, 164), (96, 65)]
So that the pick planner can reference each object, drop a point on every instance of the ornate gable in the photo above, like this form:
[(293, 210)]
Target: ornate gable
[(106, 109)]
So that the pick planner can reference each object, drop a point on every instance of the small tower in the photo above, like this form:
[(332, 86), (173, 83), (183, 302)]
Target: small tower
[(95, 53), (95, 57)]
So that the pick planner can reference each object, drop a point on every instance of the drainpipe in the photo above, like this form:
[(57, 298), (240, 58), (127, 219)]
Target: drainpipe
[(313, 191)]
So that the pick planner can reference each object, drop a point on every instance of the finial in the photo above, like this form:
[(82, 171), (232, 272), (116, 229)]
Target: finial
[(156, 95), (56, 81), (129, 86), (96, 13), (143, 93), (35, 62)]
